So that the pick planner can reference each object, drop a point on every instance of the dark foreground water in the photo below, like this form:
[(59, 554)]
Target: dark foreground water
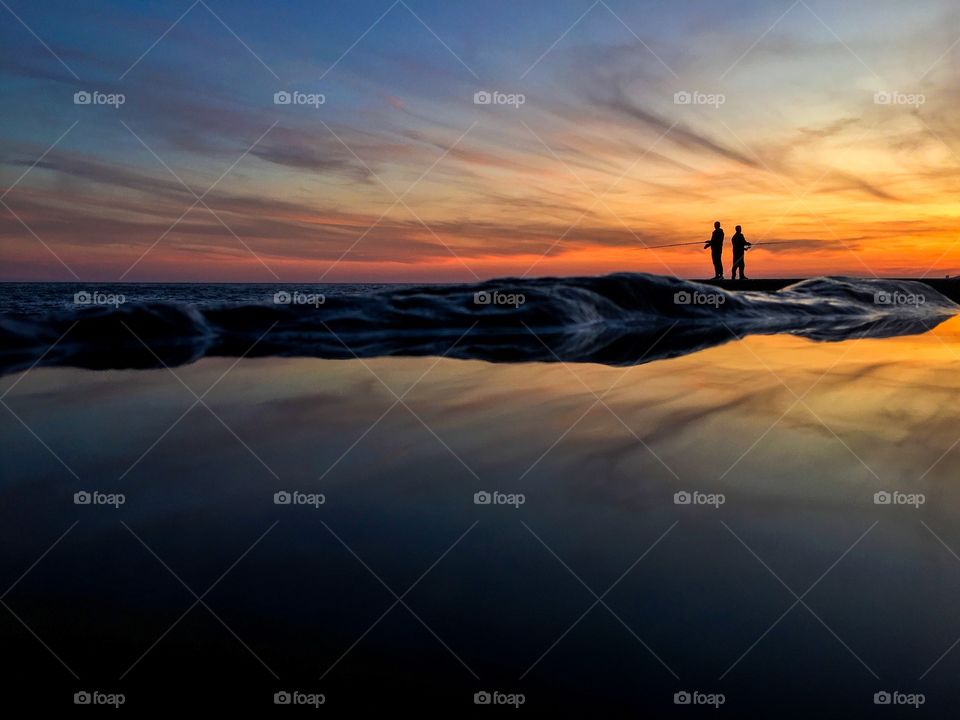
[(786, 588)]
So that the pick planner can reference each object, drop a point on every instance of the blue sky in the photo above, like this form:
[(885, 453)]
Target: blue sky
[(799, 146)]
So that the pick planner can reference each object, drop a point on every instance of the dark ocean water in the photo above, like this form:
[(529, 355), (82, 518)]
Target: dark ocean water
[(30, 298), (610, 591), (619, 319)]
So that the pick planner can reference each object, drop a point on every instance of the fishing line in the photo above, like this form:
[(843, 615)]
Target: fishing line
[(699, 242)]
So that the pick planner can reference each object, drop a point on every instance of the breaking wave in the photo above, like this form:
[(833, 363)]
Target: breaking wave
[(619, 319)]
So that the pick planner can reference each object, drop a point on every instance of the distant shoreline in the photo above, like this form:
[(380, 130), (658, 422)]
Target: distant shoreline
[(949, 287), (759, 284)]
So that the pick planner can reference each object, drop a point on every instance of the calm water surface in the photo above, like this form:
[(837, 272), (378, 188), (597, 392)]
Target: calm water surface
[(798, 594)]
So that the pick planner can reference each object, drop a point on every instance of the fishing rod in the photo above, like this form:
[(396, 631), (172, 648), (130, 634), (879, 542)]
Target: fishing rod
[(699, 242), (775, 242)]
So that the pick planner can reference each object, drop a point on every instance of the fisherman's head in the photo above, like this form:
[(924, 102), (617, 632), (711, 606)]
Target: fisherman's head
[(717, 224), (738, 228)]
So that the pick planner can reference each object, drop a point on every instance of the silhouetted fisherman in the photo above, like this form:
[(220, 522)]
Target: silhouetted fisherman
[(716, 248), (740, 246)]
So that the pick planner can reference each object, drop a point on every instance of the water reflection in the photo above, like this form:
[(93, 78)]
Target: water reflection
[(798, 436)]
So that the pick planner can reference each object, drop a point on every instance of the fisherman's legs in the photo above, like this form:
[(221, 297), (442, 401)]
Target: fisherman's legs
[(737, 265), (717, 263)]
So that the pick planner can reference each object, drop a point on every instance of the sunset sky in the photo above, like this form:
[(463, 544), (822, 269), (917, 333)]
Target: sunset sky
[(400, 176)]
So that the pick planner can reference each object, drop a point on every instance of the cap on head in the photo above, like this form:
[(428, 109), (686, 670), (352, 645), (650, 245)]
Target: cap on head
[(716, 224)]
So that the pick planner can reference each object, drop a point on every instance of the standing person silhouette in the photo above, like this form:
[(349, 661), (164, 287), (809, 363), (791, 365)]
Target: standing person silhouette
[(715, 243), (740, 246)]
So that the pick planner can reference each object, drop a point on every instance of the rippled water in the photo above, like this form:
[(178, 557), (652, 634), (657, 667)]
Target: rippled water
[(31, 298)]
